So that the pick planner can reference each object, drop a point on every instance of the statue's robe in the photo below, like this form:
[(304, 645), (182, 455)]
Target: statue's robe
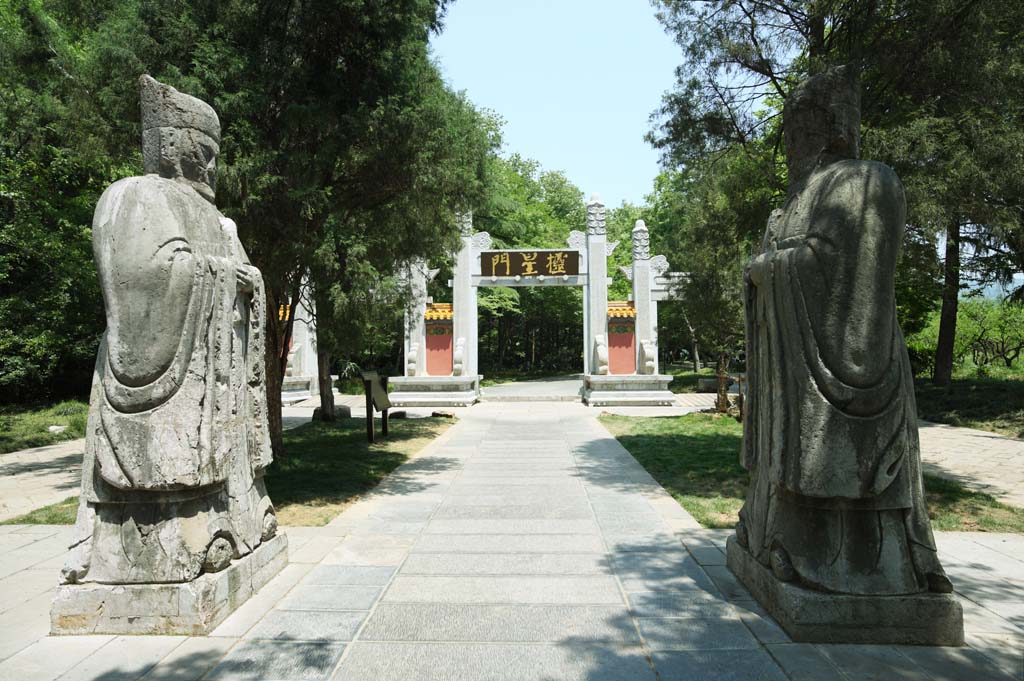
[(830, 433), (177, 437)]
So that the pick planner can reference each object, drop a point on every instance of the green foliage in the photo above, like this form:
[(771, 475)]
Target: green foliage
[(987, 332), (538, 328), (942, 104), (343, 154), (22, 428)]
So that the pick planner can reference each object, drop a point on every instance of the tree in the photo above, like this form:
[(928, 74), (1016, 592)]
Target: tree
[(711, 239), (942, 88), (340, 143)]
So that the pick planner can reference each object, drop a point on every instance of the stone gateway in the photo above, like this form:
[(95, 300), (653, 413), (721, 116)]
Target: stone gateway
[(834, 537), (174, 526)]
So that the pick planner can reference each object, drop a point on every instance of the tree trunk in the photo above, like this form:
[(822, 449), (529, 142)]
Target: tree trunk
[(943, 372), (323, 367), (696, 356), (272, 361), (722, 400)]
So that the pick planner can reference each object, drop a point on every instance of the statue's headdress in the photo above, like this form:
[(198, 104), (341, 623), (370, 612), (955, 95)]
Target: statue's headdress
[(164, 107)]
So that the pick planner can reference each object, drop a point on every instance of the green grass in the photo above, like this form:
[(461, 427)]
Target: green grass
[(22, 428), (327, 467), (686, 377), (696, 459), (61, 513), (995, 404)]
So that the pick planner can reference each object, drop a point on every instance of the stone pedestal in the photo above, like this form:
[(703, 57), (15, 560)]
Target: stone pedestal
[(434, 391), (637, 390), (190, 608), (808, 616)]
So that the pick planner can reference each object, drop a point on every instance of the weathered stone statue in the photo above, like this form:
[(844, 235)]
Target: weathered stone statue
[(835, 506), (177, 440)]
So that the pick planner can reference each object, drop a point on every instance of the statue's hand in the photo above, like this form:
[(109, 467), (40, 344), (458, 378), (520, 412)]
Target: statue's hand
[(758, 266), (243, 277)]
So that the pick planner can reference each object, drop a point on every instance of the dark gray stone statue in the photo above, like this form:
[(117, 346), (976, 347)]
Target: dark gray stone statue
[(835, 505), (177, 440)]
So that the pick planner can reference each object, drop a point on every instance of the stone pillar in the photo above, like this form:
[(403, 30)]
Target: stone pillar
[(642, 299), (464, 302), (414, 327), (597, 286)]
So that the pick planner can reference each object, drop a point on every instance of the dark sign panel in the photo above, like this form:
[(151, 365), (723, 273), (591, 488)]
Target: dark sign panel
[(529, 263)]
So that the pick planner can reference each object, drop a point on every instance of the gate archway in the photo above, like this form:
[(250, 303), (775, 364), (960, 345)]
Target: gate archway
[(583, 263)]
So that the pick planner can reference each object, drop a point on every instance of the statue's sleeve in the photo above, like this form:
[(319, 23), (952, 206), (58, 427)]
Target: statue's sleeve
[(847, 269), (147, 271)]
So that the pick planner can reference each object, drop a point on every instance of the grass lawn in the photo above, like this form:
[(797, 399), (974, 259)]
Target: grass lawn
[(995, 404), (686, 377), (21, 428), (328, 466), (696, 458)]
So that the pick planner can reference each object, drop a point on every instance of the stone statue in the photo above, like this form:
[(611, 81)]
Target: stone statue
[(835, 503), (177, 440)]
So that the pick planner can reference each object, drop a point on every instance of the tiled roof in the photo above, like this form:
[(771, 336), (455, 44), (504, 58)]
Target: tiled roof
[(621, 309), (437, 311)]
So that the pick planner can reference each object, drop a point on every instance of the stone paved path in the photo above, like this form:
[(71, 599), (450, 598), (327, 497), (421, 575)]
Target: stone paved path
[(977, 459), (524, 544)]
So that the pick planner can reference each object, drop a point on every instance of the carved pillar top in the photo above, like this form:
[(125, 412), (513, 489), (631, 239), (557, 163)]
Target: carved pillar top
[(465, 223), (641, 241), (595, 215)]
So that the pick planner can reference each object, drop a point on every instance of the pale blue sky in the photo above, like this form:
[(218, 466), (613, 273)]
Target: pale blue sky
[(575, 81)]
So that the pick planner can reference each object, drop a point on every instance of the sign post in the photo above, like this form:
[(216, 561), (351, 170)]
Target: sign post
[(376, 390)]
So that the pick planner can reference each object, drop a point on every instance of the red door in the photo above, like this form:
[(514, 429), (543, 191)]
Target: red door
[(621, 347), (439, 348)]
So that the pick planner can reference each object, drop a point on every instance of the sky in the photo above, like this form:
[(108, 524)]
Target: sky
[(574, 80)]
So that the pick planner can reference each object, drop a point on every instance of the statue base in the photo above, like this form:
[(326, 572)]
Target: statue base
[(434, 391), (189, 608), (628, 390), (930, 619)]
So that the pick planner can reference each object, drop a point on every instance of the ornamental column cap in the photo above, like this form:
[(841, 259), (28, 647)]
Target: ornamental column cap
[(595, 215), (641, 242)]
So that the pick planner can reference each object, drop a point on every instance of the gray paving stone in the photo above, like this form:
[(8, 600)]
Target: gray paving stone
[(126, 658), (710, 555), (680, 604), (538, 510), (696, 633), (345, 575), (871, 661), (1006, 651), (309, 625), (506, 564), (494, 662), (661, 571), (499, 623), (727, 583), (48, 658), (717, 665), (511, 543), (330, 598), (590, 590), (955, 664), (550, 489), (804, 662), (191, 660), (278, 661), (761, 623), (627, 543)]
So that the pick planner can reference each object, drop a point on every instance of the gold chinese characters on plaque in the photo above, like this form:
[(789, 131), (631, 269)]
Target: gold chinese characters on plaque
[(529, 263)]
